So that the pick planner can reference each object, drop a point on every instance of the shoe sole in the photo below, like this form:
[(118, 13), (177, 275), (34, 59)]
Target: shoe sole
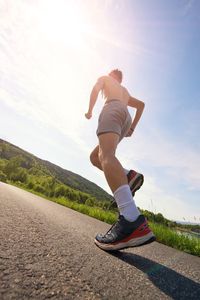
[(135, 242), (135, 184)]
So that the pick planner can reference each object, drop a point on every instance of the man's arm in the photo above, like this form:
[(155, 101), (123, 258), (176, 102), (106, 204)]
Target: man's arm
[(93, 97), (139, 105)]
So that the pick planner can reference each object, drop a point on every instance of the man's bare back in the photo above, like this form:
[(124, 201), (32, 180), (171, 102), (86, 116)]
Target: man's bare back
[(112, 89)]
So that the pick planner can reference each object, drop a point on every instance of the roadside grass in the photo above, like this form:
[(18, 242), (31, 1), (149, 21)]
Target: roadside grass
[(163, 234), (95, 212), (173, 239)]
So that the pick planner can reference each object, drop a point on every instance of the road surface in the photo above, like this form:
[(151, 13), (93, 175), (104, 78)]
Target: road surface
[(47, 251)]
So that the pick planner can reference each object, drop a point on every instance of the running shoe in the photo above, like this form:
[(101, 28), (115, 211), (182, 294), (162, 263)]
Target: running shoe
[(135, 181), (124, 234)]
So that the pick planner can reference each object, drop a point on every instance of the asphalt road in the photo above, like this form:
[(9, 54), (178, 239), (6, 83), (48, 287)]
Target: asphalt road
[(47, 251)]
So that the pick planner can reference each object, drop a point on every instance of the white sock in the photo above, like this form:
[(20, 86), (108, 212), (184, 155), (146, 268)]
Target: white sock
[(125, 203), (126, 171)]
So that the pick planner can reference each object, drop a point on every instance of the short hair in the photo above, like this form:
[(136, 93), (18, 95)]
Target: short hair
[(117, 73)]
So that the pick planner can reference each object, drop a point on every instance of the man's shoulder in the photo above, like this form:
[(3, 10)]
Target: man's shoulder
[(102, 78), (101, 81)]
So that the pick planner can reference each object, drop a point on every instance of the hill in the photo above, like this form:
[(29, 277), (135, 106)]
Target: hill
[(35, 165), (30, 172)]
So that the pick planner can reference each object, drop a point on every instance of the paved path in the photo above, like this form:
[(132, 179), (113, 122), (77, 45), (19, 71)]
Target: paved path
[(47, 251)]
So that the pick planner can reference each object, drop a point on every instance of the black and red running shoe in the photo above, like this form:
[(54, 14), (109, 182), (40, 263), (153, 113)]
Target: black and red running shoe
[(124, 234), (135, 181)]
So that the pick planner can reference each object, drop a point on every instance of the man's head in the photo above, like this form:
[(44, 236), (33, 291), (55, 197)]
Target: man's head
[(117, 74)]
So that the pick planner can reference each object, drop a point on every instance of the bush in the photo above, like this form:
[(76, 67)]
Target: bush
[(38, 188), (60, 190), (104, 204), (31, 185), (83, 197), (19, 175), (51, 194), (90, 201), (12, 166), (3, 177)]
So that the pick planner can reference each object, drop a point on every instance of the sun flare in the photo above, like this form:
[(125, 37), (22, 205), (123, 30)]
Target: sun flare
[(62, 21)]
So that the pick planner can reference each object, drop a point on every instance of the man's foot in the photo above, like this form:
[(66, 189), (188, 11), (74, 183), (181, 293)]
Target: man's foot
[(135, 181), (125, 234)]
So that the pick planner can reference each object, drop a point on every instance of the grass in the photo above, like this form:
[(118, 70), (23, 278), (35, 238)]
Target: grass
[(95, 212), (163, 234), (173, 239)]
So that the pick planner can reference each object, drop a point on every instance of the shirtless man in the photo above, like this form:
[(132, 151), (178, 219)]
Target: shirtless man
[(114, 124)]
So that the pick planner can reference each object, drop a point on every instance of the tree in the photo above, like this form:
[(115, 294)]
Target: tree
[(3, 176), (159, 218), (19, 175), (12, 165)]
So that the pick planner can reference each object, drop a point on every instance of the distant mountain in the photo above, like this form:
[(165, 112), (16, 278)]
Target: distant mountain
[(73, 180), (187, 223)]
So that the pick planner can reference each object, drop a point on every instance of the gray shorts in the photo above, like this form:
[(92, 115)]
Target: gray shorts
[(114, 117)]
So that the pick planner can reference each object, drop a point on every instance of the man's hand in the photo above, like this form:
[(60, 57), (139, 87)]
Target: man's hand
[(130, 132), (139, 105), (88, 115), (93, 96)]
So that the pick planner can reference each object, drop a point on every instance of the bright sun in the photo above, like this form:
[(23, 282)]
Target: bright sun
[(62, 21)]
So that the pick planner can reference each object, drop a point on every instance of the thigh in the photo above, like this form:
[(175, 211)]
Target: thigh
[(108, 143)]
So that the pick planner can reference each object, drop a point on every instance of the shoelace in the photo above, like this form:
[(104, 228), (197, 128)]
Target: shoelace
[(115, 225)]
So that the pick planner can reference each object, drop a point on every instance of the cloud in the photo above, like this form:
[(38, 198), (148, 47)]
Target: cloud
[(177, 156), (49, 81), (172, 206)]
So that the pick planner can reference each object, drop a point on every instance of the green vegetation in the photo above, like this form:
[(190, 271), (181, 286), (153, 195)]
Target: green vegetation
[(29, 172), (164, 234), (32, 173), (38, 166), (171, 238)]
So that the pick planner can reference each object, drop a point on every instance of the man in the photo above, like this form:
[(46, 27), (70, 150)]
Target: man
[(114, 123)]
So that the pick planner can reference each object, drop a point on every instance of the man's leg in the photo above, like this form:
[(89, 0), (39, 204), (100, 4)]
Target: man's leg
[(94, 158), (135, 179), (131, 229), (115, 176), (111, 166)]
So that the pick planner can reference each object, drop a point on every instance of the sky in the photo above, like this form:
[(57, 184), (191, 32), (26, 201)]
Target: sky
[(53, 51)]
